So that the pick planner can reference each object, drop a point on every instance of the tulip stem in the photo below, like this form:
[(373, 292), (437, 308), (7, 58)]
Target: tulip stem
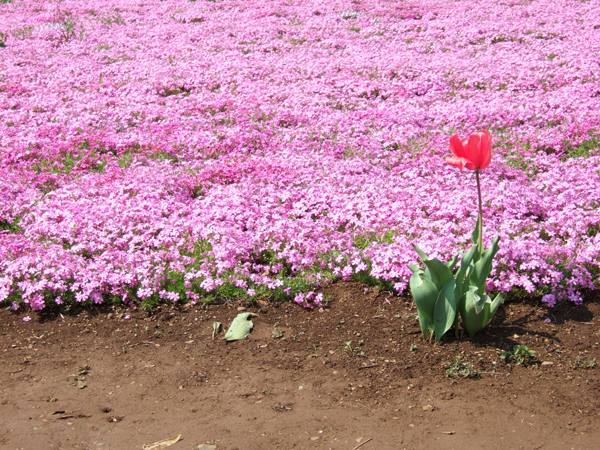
[(480, 243)]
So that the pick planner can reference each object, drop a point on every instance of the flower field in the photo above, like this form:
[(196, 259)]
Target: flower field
[(189, 150)]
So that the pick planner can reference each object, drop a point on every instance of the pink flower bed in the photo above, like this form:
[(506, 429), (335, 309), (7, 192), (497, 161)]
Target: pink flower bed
[(171, 150)]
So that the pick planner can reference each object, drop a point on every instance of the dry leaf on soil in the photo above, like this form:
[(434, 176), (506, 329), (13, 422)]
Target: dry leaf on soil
[(161, 444)]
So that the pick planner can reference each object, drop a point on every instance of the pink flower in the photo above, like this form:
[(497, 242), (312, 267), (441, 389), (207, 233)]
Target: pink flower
[(550, 300), (26, 319), (319, 299), (37, 302)]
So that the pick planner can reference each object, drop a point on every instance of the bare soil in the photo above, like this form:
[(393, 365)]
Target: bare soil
[(356, 374)]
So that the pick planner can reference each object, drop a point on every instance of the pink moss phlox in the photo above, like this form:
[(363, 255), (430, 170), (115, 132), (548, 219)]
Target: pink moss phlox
[(242, 144)]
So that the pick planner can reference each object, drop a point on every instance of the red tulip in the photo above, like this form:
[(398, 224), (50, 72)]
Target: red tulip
[(474, 153)]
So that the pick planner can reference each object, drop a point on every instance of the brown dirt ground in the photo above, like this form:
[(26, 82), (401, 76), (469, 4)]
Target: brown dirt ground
[(294, 383)]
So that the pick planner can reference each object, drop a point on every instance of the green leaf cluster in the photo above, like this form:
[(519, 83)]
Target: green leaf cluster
[(444, 292), (518, 355)]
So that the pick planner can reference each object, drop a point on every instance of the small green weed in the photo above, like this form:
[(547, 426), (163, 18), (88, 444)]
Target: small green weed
[(356, 351), (579, 363), (520, 354), (276, 333), (79, 378), (459, 369)]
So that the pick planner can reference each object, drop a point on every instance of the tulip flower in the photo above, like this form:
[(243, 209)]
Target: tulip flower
[(475, 154)]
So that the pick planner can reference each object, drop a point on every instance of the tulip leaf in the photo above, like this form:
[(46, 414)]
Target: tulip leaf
[(425, 294), (470, 318), (475, 234), (440, 273), (479, 300), (452, 264), (483, 267), (425, 325), (240, 327), (465, 264), (414, 267), (424, 258), (421, 253), (474, 321), (445, 310), (495, 304)]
